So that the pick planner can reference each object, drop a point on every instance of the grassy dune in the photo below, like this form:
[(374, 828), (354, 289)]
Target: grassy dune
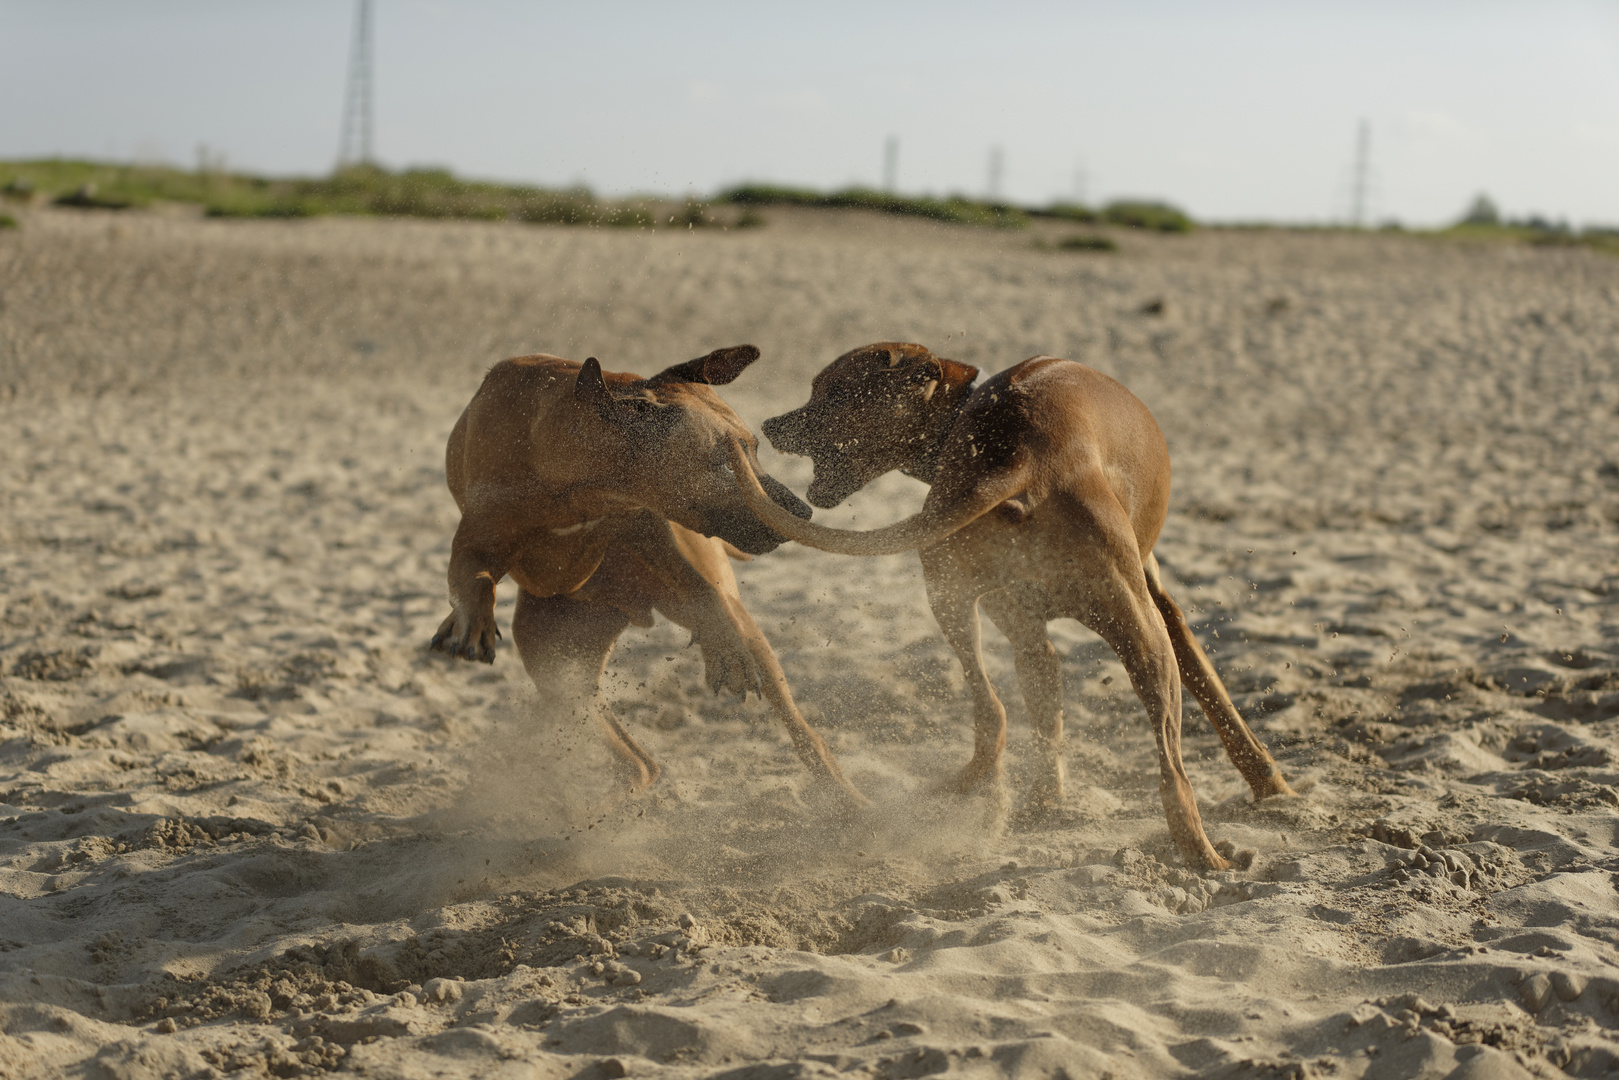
[(436, 193)]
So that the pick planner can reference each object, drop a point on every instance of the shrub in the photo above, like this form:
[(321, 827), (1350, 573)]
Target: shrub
[(1482, 211), (1068, 211), (86, 198), (693, 215), (956, 209), (771, 195), (1086, 242), (1142, 214), (8, 222)]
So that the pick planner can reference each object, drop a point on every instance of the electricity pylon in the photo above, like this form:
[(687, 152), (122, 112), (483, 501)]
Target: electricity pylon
[(355, 147), (1363, 165)]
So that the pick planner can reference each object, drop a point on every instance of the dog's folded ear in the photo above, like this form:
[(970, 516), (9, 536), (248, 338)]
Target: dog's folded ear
[(924, 371), (591, 389), (716, 369), (925, 374)]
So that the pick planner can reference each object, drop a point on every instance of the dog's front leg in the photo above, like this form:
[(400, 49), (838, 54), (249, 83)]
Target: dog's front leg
[(956, 610), (691, 569), (476, 567), (728, 662)]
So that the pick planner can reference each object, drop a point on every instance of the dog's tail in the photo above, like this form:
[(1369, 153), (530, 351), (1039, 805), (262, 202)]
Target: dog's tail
[(923, 530)]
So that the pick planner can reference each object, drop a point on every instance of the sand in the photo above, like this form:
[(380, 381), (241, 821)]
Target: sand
[(248, 825)]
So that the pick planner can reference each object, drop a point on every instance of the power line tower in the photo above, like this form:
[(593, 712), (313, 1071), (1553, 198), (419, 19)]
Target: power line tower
[(355, 147), (997, 163), (1363, 166), (891, 163)]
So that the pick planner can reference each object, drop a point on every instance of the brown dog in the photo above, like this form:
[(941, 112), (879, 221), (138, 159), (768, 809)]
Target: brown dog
[(1049, 487), (607, 497)]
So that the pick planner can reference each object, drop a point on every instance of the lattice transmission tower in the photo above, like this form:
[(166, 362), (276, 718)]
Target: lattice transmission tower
[(355, 147), (1363, 166)]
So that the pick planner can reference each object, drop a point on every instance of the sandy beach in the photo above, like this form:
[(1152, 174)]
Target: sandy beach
[(250, 826)]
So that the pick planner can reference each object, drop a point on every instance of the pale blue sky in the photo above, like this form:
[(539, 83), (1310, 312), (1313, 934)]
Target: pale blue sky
[(1234, 110)]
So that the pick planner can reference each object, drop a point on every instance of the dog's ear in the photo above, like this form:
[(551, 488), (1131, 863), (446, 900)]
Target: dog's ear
[(591, 389), (925, 374), (716, 369)]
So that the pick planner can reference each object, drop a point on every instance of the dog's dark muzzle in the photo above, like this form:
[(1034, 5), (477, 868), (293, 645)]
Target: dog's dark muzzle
[(797, 433), (833, 483), (745, 532), (786, 432)]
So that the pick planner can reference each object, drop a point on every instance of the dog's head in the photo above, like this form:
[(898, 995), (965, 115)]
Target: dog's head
[(870, 411), (668, 444)]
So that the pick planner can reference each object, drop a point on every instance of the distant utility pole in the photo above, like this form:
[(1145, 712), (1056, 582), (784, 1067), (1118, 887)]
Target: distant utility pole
[(355, 147), (1082, 183), (996, 164), (891, 163), (1363, 165)]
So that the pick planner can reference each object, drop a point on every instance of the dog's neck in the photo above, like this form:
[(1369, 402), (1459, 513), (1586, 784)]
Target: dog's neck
[(948, 401)]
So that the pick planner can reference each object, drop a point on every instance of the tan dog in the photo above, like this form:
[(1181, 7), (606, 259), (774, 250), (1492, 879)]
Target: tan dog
[(599, 494), (1049, 487)]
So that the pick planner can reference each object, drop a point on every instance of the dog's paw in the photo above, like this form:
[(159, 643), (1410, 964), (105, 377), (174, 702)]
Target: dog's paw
[(472, 639), (1274, 786), (978, 778), (728, 663), (1235, 857)]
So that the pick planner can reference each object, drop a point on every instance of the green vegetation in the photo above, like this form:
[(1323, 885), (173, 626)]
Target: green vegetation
[(1067, 211), (429, 193), (1137, 214), (1535, 232), (1483, 224), (1086, 242), (1130, 213), (436, 193), (956, 209)]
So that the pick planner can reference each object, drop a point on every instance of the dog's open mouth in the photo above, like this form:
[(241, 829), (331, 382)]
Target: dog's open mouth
[(831, 486)]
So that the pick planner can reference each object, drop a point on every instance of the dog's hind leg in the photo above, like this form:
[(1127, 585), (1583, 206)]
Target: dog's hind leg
[(1125, 619), (564, 644), (1245, 751), (1110, 595), (955, 607), (1020, 612)]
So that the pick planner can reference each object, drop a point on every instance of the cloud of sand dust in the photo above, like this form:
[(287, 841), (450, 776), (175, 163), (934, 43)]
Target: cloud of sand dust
[(542, 808)]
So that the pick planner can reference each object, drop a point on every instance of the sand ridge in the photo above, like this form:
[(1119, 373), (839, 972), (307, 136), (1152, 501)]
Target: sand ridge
[(250, 825)]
